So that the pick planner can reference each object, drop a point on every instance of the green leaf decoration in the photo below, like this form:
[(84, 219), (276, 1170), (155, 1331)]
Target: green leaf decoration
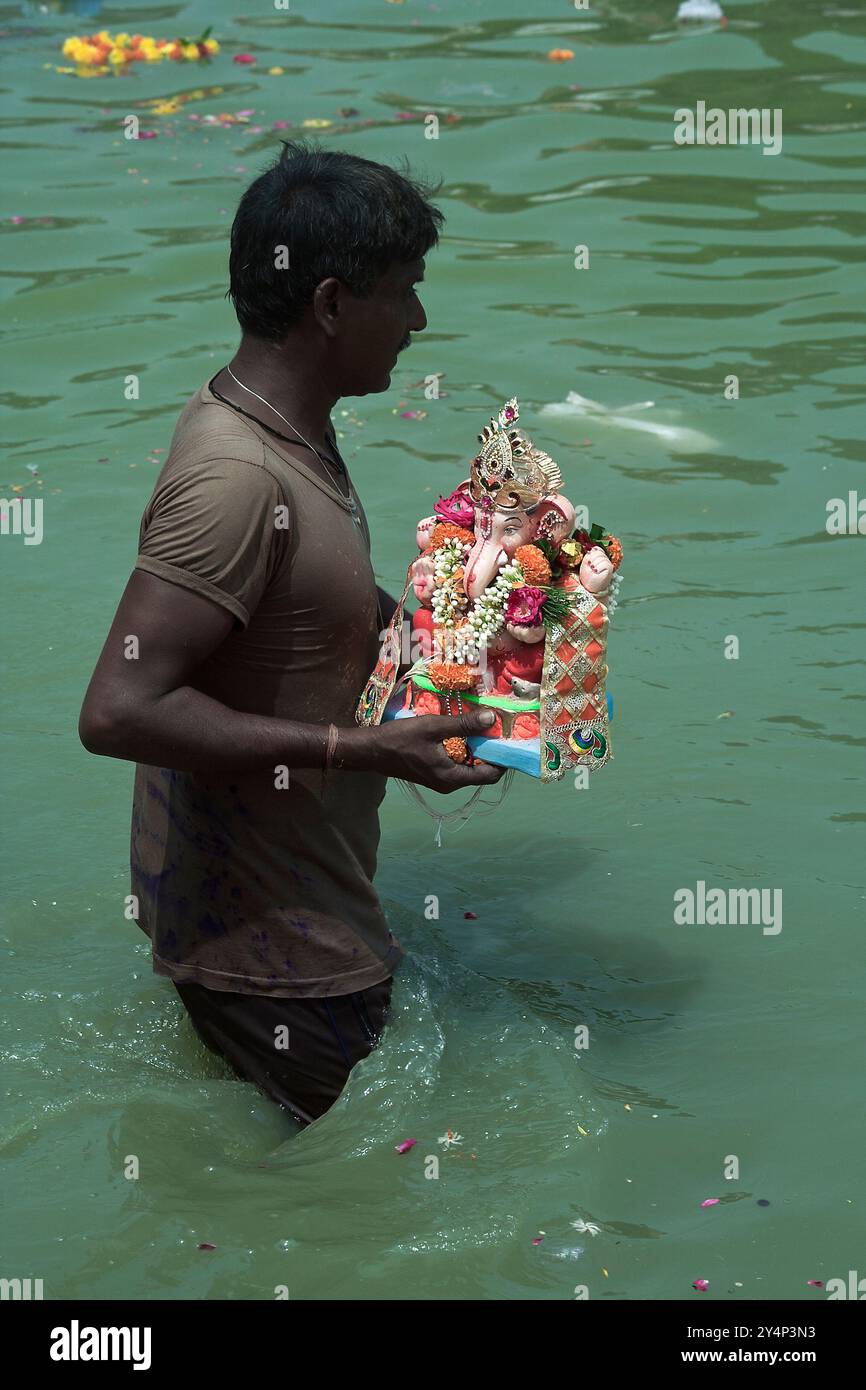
[(548, 549), (556, 606)]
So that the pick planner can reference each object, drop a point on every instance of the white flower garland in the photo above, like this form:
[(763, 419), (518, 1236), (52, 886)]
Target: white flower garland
[(446, 561), (487, 613)]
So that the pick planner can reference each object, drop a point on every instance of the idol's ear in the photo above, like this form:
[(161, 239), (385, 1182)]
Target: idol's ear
[(554, 518)]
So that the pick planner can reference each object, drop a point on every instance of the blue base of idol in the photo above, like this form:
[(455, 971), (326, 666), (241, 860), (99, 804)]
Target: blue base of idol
[(520, 753)]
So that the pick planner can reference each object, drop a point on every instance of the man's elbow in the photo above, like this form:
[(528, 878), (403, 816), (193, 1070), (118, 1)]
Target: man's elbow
[(101, 729)]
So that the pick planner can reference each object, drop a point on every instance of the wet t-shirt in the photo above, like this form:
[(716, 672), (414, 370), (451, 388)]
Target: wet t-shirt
[(244, 883)]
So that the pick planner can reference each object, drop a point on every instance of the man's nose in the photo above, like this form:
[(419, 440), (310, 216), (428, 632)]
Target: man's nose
[(418, 321)]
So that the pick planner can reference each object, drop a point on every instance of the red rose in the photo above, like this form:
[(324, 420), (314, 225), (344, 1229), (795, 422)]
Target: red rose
[(456, 508), (524, 606)]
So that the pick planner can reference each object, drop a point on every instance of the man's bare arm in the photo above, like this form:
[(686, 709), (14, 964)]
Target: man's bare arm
[(145, 709)]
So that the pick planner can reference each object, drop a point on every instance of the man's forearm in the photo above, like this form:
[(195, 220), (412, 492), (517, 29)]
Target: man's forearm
[(189, 732)]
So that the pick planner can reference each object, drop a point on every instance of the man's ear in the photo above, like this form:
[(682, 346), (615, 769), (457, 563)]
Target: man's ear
[(327, 304)]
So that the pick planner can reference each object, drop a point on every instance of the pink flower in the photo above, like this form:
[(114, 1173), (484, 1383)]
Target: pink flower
[(524, 606), (406, 1145), (701, 1285), (243, 58), (457, 508), (711, 1202)]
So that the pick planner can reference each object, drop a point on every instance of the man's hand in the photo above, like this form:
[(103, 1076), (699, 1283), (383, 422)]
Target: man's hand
[(412, 749)]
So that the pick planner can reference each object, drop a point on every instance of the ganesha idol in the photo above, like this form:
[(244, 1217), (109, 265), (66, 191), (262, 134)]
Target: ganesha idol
[(514, 606)]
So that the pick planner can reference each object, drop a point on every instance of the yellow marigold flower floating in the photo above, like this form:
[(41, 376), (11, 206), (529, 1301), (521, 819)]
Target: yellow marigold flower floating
[(97, 54)]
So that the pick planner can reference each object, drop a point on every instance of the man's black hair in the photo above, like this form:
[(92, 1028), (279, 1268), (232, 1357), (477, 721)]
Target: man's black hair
[(337, 215)]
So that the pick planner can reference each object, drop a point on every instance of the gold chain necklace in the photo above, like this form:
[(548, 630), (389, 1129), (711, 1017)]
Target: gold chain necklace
[(349, 498)]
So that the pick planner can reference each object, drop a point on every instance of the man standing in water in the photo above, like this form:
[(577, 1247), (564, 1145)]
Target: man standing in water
[(246, 634)]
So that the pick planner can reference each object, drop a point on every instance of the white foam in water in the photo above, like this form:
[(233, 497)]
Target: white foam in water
[(700, 9), (676, 437)]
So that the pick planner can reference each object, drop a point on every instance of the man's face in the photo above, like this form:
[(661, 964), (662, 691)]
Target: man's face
[(375, 330)]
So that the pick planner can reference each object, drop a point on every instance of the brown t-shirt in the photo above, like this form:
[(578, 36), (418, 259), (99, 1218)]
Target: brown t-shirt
[(244, 885)]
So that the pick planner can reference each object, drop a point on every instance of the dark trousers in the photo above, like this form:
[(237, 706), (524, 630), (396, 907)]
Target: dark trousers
[(297, 1051)]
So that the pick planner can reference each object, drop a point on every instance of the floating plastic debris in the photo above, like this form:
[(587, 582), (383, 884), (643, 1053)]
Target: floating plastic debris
[(586, 1228), (677, 437), (449, 1138)]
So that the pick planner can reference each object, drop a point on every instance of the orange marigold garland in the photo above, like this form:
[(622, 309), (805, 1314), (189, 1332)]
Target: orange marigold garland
[(446, 531), (452, 675), (613, 545), (582, 542), (534, 563)]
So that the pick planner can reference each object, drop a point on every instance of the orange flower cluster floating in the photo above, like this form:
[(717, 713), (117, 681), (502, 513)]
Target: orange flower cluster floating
[(560, 55), (101, 53)]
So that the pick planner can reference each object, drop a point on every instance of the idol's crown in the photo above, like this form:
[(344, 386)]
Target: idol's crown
[(508, 469)]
